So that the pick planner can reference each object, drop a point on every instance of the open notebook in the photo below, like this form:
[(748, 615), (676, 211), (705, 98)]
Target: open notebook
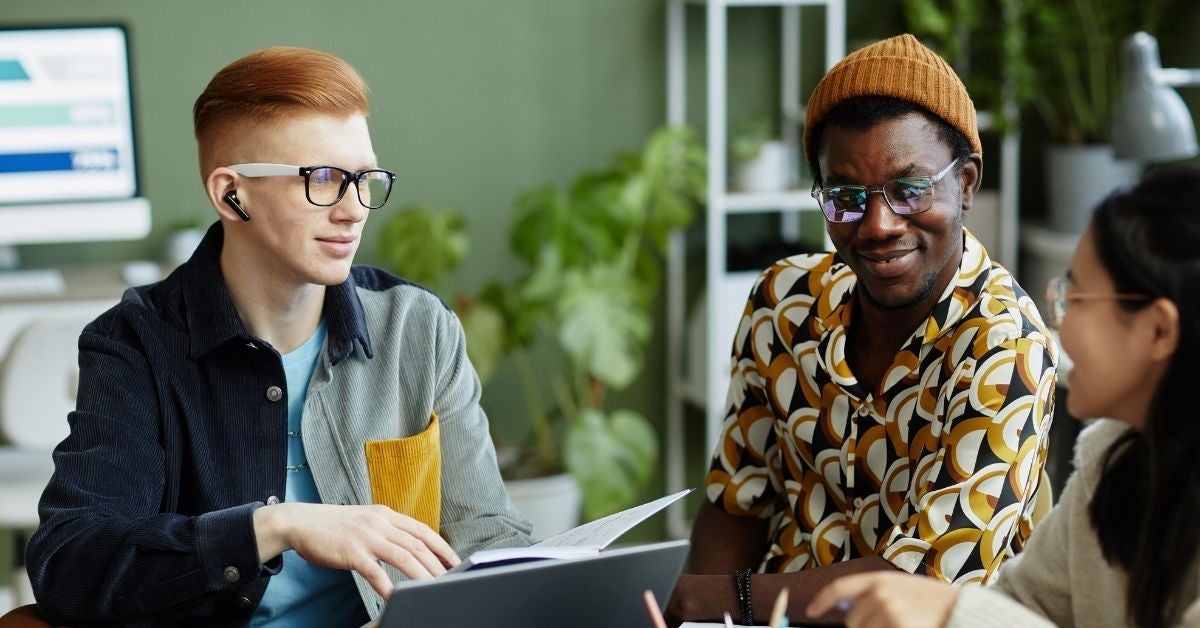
[(586, 540)]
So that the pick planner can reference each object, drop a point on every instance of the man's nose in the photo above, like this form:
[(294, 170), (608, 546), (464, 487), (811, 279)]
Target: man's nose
[(350, 208), (879, 222)]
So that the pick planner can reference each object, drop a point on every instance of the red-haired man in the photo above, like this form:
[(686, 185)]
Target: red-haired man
[(270, 434)]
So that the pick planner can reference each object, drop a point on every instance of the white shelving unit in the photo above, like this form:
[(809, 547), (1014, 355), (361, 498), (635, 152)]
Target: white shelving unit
[(725, 291)]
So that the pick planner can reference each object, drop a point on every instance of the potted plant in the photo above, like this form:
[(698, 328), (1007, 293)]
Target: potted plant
[(593, 267), (988, 54), (1061, 60), (1076, 46), (760, 161)]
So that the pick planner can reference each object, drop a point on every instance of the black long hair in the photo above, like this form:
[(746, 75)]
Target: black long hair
[(1146, 509)]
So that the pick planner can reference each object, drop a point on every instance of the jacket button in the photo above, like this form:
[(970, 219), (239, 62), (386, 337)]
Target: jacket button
[(243, 603), (232, 574), (274, 393), (272, 500)]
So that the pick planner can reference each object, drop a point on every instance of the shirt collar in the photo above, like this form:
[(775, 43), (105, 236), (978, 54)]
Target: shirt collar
[(974, 272), (213, 320)]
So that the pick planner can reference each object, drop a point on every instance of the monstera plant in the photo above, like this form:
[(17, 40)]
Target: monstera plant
[(593, 256)]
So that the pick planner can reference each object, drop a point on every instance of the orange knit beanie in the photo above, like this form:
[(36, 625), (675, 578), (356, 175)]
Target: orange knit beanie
[(899, 67)]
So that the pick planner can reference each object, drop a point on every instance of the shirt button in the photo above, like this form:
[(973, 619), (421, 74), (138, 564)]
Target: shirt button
[(272, 500), (274, 393), (858, 502), (243, 603), (863, 411), (232, 574)]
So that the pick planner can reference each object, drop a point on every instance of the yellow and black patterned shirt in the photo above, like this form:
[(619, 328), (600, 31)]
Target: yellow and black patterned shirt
[(934, 470)]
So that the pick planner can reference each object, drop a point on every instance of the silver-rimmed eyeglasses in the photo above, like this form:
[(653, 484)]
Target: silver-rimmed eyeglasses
[(1059, 295), (905, 196), (326, 185)]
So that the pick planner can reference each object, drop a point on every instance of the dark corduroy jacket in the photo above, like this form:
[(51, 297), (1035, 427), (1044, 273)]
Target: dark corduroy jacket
[(179, 434)]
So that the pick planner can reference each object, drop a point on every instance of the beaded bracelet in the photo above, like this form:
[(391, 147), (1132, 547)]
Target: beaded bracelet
[(741, 584)]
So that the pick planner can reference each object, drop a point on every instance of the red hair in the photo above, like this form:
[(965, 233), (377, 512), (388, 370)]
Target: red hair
[(266, 85)]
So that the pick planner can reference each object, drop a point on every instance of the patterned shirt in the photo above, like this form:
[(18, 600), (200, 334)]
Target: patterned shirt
[(935, 470)]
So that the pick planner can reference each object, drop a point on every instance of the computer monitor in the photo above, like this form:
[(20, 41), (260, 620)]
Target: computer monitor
[(68, 164)]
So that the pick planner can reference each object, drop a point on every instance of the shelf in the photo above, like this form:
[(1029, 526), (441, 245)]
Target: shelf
[(787, 200), (761, 3), (701, 330)]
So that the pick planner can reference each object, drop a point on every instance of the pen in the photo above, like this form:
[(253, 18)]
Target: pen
[(777, 616), (652, 608), (728, 620)]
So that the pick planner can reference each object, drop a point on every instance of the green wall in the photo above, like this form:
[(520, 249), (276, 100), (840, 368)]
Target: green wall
[(473, 101)]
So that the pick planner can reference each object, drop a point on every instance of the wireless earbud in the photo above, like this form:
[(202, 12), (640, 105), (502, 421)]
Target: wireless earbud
[(231, 199)]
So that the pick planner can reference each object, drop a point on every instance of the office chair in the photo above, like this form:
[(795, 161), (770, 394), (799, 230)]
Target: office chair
[(24, 617), (39, 375)]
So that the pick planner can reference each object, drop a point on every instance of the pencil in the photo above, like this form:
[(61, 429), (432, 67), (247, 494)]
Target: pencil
[(728, 620), (777, 616), (652, 608)]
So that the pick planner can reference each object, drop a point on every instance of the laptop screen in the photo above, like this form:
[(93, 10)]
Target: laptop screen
[(593, 592)]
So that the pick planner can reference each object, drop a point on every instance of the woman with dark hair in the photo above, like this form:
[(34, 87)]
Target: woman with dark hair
[(1120, 548)]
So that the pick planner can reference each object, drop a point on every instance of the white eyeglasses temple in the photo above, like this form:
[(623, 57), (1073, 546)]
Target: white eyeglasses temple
[(265, 170)]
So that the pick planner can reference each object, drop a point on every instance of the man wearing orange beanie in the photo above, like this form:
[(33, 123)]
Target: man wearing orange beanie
[(890, 402)]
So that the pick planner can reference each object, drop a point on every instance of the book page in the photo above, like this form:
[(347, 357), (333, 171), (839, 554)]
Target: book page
[(587, 539), (601, 532)]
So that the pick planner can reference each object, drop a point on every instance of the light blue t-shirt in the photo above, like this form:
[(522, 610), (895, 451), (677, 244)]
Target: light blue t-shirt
[(303, 594)]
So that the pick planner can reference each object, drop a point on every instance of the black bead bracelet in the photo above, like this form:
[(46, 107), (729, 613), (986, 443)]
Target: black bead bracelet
[(741, 585)]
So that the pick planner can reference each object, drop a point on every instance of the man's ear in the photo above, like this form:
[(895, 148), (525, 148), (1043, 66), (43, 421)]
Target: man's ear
[(1163, 317), (970, 177), (221, 181)]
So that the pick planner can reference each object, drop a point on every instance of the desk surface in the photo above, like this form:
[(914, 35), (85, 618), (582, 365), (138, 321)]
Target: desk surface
[(93, 281)]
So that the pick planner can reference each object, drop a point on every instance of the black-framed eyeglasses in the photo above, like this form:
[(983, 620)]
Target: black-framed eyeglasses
[(326, 185), (905, 196), (1059, 296)]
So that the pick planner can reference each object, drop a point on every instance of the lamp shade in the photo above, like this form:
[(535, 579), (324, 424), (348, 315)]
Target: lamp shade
[(1150, 122)]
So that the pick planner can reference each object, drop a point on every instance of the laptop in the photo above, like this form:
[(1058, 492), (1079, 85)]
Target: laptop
[(598, 591)]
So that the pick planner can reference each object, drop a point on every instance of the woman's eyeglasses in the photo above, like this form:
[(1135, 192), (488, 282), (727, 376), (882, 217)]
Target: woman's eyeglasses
[(1058, 296), (325, 185), (905, 196)]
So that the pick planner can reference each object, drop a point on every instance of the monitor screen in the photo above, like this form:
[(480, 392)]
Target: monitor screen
[(68, 168)]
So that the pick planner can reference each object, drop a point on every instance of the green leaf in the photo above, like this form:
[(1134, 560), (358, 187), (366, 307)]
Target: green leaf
[(603, 327), (422, 245), (575, 230), (484, 327), (612, 457)]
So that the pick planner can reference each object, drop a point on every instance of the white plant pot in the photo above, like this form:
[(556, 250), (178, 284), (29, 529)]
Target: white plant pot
[(180, 245), (551, 503), (769, 171), (1078, 178)]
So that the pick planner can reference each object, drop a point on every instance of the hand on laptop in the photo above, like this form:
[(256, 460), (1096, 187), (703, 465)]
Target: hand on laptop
[(353, 537)]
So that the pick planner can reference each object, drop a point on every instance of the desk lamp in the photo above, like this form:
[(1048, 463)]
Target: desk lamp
[(1151, 122)]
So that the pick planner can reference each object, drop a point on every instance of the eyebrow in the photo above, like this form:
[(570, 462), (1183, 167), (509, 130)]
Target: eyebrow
[(837, 178)]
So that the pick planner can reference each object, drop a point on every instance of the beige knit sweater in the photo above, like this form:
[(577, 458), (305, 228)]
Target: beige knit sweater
[(1062, 578)]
